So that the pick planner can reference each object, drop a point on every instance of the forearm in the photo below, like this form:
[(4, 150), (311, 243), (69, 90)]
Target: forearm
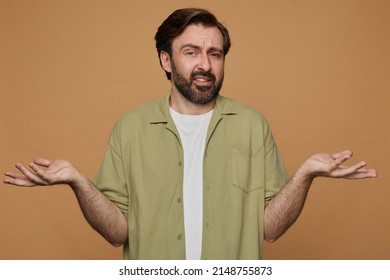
[(284, 209), (101, 213)]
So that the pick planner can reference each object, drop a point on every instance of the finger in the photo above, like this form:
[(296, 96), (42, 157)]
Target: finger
[(340, 158), (363, 173), (342, 154), (30, 176), (43, 162), (17, 179), (15, 175), (41, 173), (347, 171), (19, 182), (362, 170)]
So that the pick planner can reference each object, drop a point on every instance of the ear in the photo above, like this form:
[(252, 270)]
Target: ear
[(165, 61)]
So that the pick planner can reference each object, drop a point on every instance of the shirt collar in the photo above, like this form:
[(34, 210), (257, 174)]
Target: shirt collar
[(223, 106)]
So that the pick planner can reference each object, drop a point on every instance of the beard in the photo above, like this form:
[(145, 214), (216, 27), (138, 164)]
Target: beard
[(195, 93)]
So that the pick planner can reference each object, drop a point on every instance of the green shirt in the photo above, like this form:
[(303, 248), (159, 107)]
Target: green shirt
[(142, 173)]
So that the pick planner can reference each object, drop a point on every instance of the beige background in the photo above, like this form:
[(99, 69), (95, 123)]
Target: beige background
[(318, 70)]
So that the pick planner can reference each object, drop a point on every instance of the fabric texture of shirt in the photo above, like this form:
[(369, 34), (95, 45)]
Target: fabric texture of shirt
[(142, 173)]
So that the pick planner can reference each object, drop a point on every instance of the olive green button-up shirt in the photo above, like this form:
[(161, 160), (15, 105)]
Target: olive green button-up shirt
[(142, 173)]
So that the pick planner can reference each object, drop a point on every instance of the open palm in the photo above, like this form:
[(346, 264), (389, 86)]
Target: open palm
[(331, 165), (43, 172)]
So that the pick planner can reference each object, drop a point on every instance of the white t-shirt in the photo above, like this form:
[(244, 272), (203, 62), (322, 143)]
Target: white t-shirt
[(193, 131)]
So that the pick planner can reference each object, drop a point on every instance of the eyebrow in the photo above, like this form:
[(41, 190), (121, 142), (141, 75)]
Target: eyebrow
[(198, 47)]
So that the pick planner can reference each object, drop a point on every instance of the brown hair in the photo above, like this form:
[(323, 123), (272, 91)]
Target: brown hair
[(178, 21)]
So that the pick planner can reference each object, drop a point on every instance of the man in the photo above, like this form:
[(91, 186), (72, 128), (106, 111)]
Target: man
[(193, 175)]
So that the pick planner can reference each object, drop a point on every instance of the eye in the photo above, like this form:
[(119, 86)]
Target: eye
[(216, 55), (190, 53)]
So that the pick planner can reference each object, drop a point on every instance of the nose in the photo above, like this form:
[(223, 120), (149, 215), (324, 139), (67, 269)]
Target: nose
[(204, 63)]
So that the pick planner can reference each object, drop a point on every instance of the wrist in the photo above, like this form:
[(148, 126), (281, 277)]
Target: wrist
[(77, 179), (306, 173)]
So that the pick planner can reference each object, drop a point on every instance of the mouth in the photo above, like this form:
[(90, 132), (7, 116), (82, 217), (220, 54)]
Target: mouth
[(203, 80)]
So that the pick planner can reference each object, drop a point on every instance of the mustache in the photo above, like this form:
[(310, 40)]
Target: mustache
[(204, 74)]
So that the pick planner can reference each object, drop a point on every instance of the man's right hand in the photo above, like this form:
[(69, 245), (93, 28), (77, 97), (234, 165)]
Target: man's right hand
[(43, 172), (101, 213)]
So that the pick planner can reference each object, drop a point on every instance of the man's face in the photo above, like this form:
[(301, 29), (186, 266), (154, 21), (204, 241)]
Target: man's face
[(197, 63)]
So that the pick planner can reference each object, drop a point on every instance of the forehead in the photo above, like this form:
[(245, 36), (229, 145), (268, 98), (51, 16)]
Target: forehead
[(199, 35)]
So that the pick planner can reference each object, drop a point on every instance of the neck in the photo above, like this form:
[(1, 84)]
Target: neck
[(183, 106)]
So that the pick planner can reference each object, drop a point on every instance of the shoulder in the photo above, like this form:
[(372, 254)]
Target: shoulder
[(243, 112), (135, 120), (139, 112), (142, 115)]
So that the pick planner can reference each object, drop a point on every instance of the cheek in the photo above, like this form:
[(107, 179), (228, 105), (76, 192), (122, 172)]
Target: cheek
[(219, 71), (185, 70)]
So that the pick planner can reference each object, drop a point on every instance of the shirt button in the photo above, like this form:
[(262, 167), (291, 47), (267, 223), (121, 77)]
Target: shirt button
[(179, 237), (180, 163), (179, 200)]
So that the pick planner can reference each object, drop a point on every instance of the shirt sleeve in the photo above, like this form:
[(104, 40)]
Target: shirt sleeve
[(276, 175), (110, 178)]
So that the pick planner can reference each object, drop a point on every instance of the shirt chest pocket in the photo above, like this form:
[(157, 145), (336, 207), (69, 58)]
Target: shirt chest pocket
[(248, 169)]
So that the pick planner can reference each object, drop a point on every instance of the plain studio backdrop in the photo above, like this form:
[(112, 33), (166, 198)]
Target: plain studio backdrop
[(318, 70)]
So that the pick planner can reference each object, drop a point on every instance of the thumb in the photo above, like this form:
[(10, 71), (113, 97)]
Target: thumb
[(43, 162), (341, 157)]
